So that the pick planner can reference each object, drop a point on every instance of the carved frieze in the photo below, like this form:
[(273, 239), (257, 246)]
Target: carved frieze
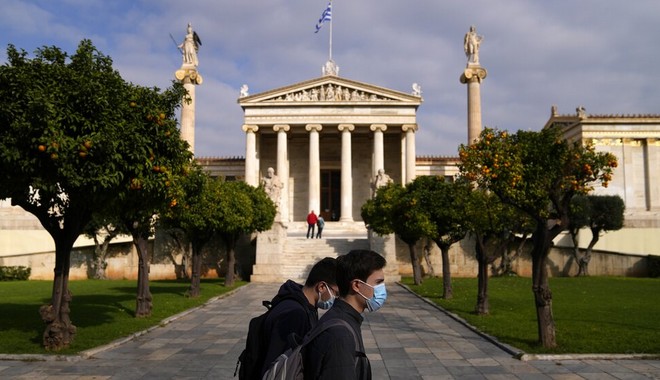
[(329, 93)]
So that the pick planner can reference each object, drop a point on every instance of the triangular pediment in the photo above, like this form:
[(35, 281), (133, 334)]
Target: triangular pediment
[(328, 90)]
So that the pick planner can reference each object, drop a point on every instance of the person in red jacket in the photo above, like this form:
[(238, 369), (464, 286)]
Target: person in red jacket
[(311, 223)]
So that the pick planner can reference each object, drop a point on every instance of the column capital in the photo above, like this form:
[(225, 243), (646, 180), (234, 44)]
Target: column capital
[(346, 127), (409, 127), (188, 76), (313, 127), (473, 74), (250, 128), (378, 127), (281, 127)]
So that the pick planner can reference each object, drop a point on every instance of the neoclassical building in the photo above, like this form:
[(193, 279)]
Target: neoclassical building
[(327, 138)]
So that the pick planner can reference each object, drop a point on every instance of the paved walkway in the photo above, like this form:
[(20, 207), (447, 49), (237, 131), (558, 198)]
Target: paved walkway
[(406, 339)]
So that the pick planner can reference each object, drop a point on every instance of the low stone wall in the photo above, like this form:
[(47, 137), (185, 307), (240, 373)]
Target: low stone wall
[(560, 262)]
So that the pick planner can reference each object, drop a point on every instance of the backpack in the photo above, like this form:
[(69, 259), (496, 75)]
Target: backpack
[(289, 365), (252, 358)]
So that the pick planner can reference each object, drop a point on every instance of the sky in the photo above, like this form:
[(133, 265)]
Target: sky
[(603, 55)]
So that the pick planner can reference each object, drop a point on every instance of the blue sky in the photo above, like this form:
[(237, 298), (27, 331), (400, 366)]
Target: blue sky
[(601, 55)]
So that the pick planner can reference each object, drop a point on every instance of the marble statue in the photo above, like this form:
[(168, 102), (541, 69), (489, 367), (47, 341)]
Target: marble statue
[(417, 89), (471, 44), (381, 179), (190, 47), (244, 91), (272, 185)]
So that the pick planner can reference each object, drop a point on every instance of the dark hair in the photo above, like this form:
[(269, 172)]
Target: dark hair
[(325, 270), (357, 264)]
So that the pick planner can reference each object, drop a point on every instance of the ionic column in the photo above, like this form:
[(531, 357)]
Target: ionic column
[(410, 163), (472, 76), (379, 155), (251, 166), (190, 78), (314, 167), (283, 169), (346, 173)]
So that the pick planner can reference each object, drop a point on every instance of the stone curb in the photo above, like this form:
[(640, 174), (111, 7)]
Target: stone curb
[(523, 356), (89, 354)]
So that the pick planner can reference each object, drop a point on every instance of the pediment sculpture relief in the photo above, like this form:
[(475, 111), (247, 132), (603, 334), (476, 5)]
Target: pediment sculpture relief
[(329, 93)]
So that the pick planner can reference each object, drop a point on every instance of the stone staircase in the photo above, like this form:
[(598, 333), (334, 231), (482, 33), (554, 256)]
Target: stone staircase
[(288, 254), (300, 253)]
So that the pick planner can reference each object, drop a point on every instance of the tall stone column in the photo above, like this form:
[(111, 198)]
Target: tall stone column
[(283, 169), (379, 152), (189, 76), (251, 165), (472, 76), (411, 155), (314, 188), (346, 173)]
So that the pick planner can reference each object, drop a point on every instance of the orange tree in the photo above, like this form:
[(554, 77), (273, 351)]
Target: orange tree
[(397, 209), (243, 209), (67, 128), (538, 173), (195, 214), (444, 204)]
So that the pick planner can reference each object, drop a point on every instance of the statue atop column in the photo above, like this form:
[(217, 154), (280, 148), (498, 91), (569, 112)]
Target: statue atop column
[(190, 47), (272, 185), (381, 179), (471, 44)]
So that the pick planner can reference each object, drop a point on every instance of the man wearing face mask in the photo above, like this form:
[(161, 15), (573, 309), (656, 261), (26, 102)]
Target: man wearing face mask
[(296, 307), (333, 354)]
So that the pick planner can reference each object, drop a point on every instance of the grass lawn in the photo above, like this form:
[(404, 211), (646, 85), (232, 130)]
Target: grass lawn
[(102, 311), (592, 314)]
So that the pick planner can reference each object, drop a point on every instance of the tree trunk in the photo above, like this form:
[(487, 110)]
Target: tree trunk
[(231, 261), (586, 258), (483, 306), (196, 276), (416, 265), (100, 255), (576, 251), (447, 291), (427, 258), (541, 288), (143, 303), (59, 332)]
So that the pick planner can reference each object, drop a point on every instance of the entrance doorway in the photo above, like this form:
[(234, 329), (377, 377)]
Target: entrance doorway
[(330, 194)]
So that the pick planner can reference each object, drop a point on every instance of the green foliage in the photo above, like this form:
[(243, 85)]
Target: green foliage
[(594, 314), (378, 212), (538, 172), (105, 310), (445, 205), (15, 273)]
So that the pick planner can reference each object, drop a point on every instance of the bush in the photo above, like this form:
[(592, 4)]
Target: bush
[(14, 273), (654, 265)]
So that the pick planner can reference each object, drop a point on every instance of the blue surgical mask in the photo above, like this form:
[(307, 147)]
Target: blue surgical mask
[(327, 304), (380, 295)]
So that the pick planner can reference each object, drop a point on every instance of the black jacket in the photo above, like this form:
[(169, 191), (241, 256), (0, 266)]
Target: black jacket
[(291, 313), (332, 355)]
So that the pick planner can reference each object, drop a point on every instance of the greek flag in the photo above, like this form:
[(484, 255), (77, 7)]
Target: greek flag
[(325, 16)]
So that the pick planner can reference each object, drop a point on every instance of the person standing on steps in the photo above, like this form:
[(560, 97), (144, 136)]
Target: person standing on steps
[(311, 223), (320, 223)]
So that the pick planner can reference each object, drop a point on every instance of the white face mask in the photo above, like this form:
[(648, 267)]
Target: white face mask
[(327, 304), (380, 295)]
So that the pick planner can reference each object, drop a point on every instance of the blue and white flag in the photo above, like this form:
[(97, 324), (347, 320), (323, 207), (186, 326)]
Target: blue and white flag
[(325, 16)]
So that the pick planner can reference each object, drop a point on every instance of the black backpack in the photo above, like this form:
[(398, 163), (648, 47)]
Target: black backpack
[(289, 365), (251, 360)]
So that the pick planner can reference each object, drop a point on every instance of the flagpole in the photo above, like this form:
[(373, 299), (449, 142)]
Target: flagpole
[(330, 51)]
